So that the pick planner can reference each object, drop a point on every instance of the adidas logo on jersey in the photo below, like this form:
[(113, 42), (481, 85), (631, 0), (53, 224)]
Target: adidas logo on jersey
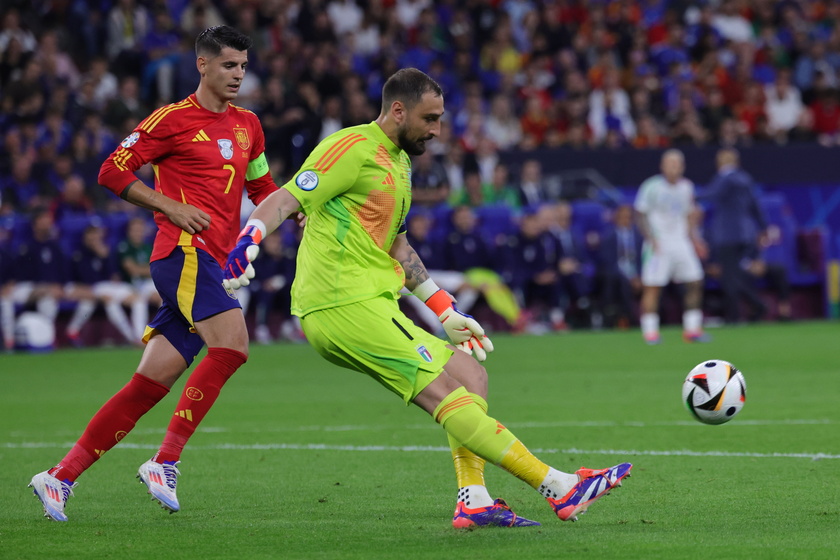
[(201, 137)]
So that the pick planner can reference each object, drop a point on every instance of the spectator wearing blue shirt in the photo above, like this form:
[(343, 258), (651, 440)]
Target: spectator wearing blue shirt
[(736, 226)]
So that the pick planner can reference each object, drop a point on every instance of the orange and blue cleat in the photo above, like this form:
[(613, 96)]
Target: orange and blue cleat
[(497, 515), (592, 485)]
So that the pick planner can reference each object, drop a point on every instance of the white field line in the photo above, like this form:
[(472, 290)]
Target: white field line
[(432, 426), (428, 448)]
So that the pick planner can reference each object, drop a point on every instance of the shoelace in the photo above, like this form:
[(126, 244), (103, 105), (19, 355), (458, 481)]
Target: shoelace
[(171, 473), (66, 489)]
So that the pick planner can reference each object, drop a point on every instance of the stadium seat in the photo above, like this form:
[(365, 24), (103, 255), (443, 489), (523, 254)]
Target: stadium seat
[(495, 220), (71, 228), (115, 226)]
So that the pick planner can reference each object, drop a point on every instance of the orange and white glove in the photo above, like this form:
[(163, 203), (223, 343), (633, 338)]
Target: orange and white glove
[(462, 329), (238, 269)]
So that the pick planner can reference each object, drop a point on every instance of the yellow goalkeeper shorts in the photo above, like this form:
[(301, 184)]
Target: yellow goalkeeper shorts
[(376, 338)]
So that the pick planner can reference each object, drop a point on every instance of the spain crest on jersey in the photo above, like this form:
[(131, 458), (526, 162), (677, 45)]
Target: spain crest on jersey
[(242, 140)]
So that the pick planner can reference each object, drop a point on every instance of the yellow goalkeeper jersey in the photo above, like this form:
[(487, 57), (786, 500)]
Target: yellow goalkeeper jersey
[(355, 189)]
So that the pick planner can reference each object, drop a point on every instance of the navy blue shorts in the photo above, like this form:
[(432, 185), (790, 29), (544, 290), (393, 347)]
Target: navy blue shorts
[(189, 281)]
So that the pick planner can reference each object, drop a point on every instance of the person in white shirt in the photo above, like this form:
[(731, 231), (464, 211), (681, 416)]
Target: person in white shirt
[(783, 104), (672, 249)]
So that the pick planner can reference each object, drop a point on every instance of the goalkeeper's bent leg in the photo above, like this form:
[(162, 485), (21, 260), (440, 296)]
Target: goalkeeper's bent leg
[(487, 438), (469, 469)]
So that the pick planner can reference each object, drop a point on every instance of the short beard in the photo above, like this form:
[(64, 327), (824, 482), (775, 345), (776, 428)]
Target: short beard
[(411, 147)]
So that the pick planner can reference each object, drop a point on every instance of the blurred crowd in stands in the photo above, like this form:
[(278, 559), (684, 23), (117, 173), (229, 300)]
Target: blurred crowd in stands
[(77, 76)]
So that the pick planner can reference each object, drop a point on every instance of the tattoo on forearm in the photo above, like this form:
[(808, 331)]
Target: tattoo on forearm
[(415, 271)]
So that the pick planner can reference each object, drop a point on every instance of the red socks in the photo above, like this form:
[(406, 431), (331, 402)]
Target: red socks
[(114, 420), (200, 392), (119, 415)]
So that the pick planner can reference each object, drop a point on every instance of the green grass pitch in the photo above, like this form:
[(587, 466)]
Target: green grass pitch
[(301, 459)]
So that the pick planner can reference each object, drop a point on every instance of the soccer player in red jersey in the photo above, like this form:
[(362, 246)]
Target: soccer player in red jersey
[(204, 151)]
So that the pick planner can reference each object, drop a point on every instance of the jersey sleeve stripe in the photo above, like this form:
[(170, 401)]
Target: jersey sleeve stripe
[(334, 148), (121, 159), (154, 119), (339, 155)]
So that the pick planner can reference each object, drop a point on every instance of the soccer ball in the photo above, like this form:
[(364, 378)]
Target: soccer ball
[(714, 391)]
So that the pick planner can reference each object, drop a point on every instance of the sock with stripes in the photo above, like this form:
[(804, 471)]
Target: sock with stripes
[(467, 423)]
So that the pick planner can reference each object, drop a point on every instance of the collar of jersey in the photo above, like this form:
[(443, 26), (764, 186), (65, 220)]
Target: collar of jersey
[(380, 135)]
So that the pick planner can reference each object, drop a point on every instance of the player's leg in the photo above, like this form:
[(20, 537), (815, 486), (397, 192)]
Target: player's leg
[(357, 336), (656, 273), (569, 494), (692, 319), (159, 368), (649, 318), (473, 497), (689, 271), (193, 279), (418, 369)]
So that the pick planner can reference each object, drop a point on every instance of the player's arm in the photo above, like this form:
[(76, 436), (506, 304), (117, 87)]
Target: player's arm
[(185, 216), (265, 218), (462, 329), (117, 174), (640, 210), (644, 226)]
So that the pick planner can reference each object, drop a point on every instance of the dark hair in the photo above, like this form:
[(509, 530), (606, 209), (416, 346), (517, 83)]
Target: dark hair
[(408, 85), (213, 39)]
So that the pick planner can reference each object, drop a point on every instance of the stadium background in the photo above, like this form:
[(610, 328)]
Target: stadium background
[(306, 460), (592, 90)]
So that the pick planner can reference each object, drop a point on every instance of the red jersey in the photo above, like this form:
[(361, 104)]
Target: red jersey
[(201, 158)]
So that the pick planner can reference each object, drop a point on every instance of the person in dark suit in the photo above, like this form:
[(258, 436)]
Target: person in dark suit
[(532, 269), (736, 227), (572, 264), (531, 186), (619, 264)]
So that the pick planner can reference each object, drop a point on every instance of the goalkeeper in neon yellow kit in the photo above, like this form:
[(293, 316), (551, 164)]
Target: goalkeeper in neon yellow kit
[(355, 190)]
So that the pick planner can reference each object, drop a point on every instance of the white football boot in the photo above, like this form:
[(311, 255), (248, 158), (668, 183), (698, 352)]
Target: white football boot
[(161, 480), (53, 494)]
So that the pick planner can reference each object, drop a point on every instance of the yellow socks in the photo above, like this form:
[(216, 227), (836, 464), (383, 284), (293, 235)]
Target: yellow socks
[(469, 467), (466, 422)]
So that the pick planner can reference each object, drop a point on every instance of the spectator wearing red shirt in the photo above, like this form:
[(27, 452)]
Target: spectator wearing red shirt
[(826, 111), (752, 107)]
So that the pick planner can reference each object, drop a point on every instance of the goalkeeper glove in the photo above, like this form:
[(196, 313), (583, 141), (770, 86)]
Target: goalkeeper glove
[(238, 269), (462, 329)]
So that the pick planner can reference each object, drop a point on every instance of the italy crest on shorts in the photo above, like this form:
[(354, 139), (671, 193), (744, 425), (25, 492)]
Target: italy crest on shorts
[(424, 353), (225, 147), (242, 140)]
